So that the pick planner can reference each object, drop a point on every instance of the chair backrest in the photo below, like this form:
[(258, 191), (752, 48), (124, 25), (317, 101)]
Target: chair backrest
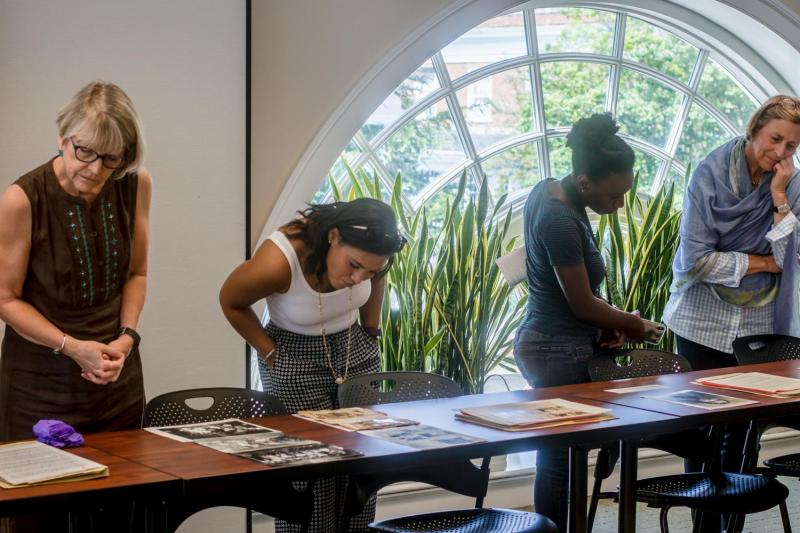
[(171, 409), (389, 387), (765, 348), (459, 476), (635, 363)]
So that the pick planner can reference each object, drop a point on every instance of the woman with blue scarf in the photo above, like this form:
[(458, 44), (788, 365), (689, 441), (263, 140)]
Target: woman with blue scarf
[(736, 269)]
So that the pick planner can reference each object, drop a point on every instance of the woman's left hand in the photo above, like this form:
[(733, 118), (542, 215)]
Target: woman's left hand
[(783, 170)]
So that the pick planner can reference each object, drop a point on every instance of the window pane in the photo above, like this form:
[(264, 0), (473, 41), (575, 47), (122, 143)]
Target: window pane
[(366, 173), (719, 88), (659, 49), (574, 30), (701, 135), (495, 40), (647, 167), (349, 154), (321, 196), (572, 90), (646, 109), (560, 157), (416, 87), (681, 180), (436, 205), (423, 149), (513, 170), (497, 107)]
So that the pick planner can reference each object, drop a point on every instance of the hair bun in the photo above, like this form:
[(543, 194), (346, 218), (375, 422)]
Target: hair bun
[(592, 131)]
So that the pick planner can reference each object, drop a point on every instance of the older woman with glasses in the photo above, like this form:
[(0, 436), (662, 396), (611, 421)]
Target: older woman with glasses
[(320, 274), (73, 274)]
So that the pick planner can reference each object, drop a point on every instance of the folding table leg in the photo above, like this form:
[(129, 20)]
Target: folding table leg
[(629, 452), (578, 475)]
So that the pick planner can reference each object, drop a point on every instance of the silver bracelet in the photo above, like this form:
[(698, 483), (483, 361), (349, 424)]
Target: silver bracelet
[(60, 349)]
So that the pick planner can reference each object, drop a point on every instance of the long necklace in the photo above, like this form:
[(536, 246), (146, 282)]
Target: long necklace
[(339, 378)]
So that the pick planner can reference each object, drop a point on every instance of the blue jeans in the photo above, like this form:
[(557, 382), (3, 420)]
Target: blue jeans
[(547, 361)]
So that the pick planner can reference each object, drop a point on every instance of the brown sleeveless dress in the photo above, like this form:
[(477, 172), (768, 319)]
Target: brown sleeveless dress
[(79, 261)]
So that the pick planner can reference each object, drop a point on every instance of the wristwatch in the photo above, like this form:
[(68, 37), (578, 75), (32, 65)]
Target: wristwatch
[(132, 333), (373, 332), (781, 209)]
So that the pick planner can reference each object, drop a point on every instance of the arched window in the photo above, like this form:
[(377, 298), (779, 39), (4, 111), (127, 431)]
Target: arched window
[(499, 100)]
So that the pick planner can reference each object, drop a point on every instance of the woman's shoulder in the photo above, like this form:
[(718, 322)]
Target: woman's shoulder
[(143, 177), (15, 201), (35, 177)]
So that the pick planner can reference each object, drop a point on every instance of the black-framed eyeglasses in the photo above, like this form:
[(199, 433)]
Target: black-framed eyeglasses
[(87, 155)]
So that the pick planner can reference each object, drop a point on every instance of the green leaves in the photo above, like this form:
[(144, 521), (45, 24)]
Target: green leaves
[(638, 250), (447, 308)]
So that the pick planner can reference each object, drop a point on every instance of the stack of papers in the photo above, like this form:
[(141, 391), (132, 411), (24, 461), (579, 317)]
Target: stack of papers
[(354, 418), (756, 382), (537, 414), (258, 443), (24, 464)]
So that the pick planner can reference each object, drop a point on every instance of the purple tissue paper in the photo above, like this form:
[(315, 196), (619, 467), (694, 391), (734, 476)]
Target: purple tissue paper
[(57, 433)]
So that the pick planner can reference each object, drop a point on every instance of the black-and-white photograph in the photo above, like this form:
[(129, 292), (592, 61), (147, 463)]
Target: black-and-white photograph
[(314, 453), (422, 437), (703, 400), (249, 443), (212, 430)]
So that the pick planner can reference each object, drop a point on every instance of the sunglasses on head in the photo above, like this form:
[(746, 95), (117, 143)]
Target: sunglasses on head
[(379, 235)]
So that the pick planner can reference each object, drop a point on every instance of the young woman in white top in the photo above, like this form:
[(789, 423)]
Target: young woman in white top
[(319, 273)]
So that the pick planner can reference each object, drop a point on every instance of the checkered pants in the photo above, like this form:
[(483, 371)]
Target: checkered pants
[(302, 378)]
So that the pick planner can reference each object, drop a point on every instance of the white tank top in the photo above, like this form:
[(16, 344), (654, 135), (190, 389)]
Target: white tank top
[(297, 309)]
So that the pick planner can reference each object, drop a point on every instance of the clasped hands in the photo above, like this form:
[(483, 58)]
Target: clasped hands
[(100, 363)]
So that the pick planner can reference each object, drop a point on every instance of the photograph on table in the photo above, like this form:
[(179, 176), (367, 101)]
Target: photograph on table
[(702, 400), (293, 455), (212, 430)]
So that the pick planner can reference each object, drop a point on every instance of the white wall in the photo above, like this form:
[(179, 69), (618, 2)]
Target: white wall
[(183, 64)]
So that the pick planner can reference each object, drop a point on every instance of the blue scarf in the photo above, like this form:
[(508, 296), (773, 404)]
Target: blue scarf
[(723, 213)]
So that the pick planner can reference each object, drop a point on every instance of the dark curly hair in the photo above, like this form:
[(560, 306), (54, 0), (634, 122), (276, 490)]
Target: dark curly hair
[(597, 150), (364, 223)]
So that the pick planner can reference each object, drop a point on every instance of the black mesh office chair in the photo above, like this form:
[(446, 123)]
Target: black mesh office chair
[(460, 476), (172, 409), (283, 501), (712, 491), (634, 364), (755, 349)]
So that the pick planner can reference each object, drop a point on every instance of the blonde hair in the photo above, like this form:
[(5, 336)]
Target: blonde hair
[(104, 118), (778, 107)]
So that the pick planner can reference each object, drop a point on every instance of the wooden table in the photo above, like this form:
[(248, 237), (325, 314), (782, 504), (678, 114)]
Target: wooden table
[(127, 481), (227, 479), (215, 478), (765, 408)]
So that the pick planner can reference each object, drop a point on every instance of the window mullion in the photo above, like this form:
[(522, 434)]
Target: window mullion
[(537, 98), (615, 71)]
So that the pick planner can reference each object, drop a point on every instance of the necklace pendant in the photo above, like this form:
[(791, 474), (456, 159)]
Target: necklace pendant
[(339, 380)]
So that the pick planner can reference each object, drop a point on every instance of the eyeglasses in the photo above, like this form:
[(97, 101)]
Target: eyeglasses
[(87, 155), (397, 237)]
